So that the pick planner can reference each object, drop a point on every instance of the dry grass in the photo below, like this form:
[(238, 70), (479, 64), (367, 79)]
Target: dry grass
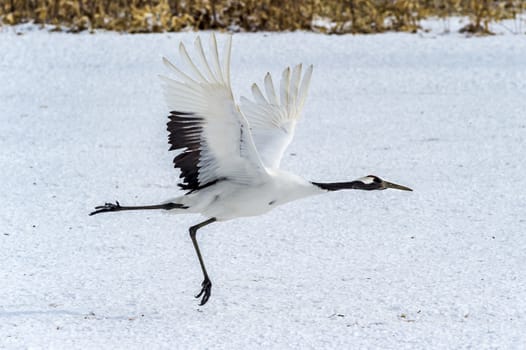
[(350, 16)]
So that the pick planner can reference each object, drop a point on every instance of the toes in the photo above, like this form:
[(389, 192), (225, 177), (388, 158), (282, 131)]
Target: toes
[(206, 291), (206, 296), (106, 207), (204, 300)]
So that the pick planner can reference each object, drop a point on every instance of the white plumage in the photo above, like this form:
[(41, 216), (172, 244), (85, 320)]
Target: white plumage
[(273, 121), (240, 148), (229, 155)]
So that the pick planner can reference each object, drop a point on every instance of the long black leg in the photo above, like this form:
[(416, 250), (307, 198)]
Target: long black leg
[(206, 286), (117, 207)]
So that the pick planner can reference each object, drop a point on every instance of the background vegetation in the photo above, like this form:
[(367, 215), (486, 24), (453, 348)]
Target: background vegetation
[(331, 16)]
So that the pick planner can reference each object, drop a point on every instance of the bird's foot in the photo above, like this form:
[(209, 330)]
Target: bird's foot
[(206, 290), (106, 207)]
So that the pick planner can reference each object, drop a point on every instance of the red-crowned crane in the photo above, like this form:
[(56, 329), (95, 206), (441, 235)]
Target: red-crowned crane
[(229, 155)]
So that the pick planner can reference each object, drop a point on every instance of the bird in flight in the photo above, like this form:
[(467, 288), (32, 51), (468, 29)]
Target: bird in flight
[(229, 154)]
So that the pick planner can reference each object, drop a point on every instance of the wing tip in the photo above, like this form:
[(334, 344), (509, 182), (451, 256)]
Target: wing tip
[(167, 62)]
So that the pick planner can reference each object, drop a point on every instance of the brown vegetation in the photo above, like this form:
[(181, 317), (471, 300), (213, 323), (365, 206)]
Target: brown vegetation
[(349, 16)]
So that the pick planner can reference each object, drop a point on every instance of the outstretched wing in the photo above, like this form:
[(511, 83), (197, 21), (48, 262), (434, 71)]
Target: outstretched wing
[(206, 124), (272, 120)]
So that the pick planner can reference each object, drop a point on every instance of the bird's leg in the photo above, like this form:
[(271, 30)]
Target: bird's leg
[(206, 286), (107, 207)]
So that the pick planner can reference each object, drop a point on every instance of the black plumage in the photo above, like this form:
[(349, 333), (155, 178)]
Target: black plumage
[(185, 134)]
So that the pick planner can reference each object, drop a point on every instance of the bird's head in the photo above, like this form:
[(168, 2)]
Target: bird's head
[(373, 182)]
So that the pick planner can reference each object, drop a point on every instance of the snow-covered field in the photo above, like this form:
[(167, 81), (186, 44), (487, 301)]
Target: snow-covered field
[(82, 121)]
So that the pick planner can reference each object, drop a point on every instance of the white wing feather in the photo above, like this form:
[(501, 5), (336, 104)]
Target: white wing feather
[(226, 148), (273, 121)]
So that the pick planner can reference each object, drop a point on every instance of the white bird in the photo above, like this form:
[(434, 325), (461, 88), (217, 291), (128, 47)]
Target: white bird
[(229, 155)]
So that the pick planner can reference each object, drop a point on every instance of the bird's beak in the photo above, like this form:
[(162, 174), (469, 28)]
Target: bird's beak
[(395, 186)]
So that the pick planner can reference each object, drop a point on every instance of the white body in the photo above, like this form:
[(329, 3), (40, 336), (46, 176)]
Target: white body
[(231, 154), (228, 200)]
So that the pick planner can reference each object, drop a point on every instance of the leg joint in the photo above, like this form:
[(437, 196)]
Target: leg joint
[(193, 229)]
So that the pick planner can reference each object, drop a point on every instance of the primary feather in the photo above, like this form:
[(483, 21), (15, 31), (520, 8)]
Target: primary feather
[(207, 125), (273, 121), (219, 140)]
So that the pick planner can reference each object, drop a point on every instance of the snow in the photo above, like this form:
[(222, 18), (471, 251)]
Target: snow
[(82, 122)]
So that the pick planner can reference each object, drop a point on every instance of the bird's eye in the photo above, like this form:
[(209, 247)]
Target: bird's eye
[(377, 180)]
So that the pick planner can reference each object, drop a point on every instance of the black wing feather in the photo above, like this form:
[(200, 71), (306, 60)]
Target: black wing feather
[(185, 134)]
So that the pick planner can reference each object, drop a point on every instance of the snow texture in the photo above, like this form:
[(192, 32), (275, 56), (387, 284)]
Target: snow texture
[(82, 121)]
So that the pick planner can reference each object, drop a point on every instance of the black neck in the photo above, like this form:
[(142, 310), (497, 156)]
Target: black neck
[(351, 185)]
